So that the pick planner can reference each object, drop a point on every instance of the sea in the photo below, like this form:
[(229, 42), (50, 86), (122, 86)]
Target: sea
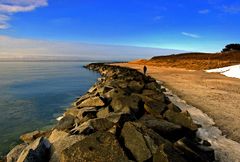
[(34, 94)]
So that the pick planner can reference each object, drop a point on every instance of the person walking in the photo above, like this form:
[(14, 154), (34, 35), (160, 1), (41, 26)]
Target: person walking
[(145, 70)]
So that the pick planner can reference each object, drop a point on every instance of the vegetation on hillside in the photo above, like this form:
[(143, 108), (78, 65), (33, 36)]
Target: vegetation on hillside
[(231, 47)]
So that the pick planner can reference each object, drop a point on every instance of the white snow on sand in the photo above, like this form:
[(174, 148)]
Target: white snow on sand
[(229, 71)]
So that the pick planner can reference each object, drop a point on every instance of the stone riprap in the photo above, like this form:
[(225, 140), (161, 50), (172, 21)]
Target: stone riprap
[(125, 116)]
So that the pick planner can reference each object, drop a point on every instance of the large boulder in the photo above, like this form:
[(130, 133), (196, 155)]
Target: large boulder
[(154, 107), (85, 128), (57, 135), (153, 86), (14, 154), (103, 113), (72, 111), (82, 98), (153, 94), (92, 89), (126, 104), (58, 146), (30, 137), (65, 123), (37, 151), (116, 83), (101, 124), (80, 113), (114, 93), (167, 154), (181, 118), (135, 86), (135, 142), (166, 129), (104, 89), (100, 146), (120, 118), (92, 111), (92, 102)]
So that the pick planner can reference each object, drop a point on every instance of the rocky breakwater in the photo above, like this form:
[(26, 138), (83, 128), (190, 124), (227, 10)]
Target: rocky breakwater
[(123, 117)]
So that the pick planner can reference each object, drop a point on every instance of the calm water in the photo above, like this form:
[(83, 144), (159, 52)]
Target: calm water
[(33, 94)]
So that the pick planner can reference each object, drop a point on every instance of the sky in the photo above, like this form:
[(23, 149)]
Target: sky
[(154, 25)]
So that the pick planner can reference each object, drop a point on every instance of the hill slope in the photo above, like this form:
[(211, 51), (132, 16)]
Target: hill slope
[(195, 61)]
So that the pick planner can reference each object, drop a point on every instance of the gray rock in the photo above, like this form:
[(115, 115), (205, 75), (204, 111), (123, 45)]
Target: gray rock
[(72, 111), (135, 142), (101, 124), (153, 94), (126, 104), (85, 128), (153, 86), (57, 135), (136, 86), (60, 145), (181, 118), (29, 137), (122, 84), (86, 111), (14, 154), (153, 140), (92, 102), (38, 151), (103, 113), (167, 154), (100, 146), (66, 123), (164, 128), (154, 107), (114, 93), (92, 89), (82, 98), (104, 90), (120, 118)]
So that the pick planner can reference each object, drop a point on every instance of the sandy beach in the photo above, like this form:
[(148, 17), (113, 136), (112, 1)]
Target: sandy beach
[(216, 95)]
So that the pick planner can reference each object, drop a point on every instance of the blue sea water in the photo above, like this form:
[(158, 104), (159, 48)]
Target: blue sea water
[(33, 94)]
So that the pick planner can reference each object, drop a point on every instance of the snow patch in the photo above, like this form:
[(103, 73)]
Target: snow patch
[(229, 71)]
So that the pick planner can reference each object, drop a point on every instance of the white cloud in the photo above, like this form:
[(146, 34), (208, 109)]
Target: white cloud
[(9, 7), (190, 35), (4, 25), (232, 9), (205, 11), (15, 9), (25, 2), (4, 18)]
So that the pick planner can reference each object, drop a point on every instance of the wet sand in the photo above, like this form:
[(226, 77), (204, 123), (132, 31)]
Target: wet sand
[(216, 95)]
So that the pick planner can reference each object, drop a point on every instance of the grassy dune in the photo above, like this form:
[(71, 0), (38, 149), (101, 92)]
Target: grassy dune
[(194, 61)]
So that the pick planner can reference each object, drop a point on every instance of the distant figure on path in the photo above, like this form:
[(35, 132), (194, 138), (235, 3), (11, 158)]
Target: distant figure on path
[(144, 70)]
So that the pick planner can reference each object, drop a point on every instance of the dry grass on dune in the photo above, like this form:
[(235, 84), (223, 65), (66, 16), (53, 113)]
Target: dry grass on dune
[(194, 61)]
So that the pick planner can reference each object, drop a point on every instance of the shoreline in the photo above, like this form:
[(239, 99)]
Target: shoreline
[(107, 113)]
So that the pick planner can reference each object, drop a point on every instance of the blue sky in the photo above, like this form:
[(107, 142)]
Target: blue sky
[(192, 25)]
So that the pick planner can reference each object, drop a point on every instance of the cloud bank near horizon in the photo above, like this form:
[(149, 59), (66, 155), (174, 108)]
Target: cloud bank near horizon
[(27, 49)]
